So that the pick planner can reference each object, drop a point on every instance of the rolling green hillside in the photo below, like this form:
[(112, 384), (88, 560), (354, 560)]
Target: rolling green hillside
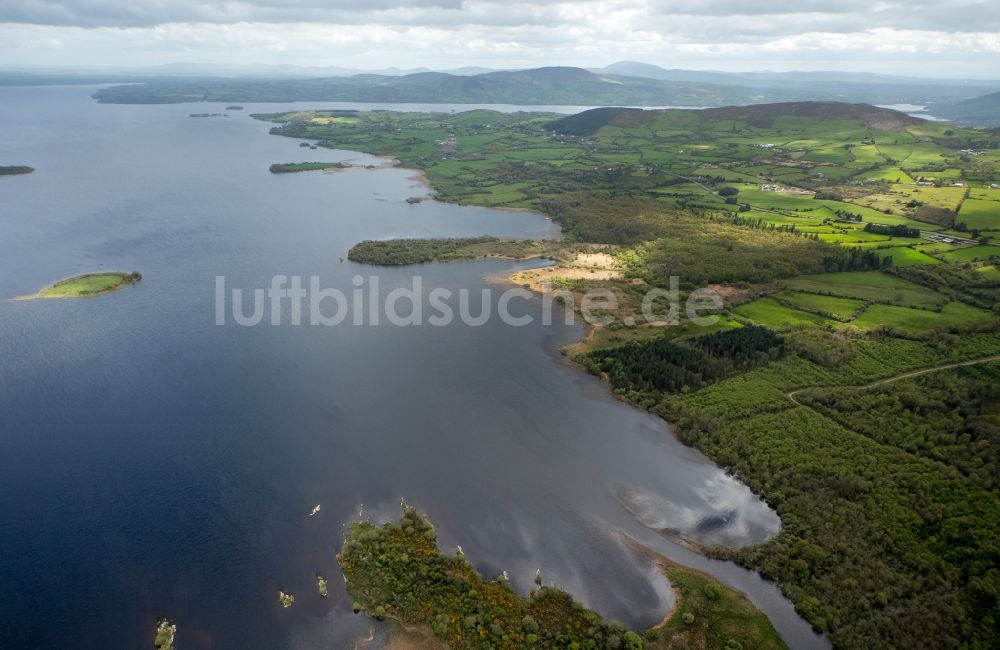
[(981, 111)]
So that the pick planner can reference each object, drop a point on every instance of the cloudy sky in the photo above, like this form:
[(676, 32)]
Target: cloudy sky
[(953, 38)]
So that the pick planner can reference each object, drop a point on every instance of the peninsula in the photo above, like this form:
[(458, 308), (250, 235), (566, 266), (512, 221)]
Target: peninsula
[(288, 168), (448, 598)]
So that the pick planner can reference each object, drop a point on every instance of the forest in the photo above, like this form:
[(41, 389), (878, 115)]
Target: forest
[(644, 371)]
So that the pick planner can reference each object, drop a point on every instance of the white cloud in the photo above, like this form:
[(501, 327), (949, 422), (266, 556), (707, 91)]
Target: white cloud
[(949, 37)]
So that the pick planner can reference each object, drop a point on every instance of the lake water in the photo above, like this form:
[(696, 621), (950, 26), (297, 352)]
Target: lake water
[(153, 463)]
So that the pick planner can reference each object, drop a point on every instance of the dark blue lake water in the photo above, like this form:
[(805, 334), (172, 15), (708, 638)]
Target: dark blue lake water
[(153, 463)]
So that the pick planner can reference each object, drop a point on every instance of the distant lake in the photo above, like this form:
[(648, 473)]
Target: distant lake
[(914, 110), (155, 464)]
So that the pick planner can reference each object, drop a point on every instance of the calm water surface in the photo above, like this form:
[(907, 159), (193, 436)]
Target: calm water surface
[(153, 463)]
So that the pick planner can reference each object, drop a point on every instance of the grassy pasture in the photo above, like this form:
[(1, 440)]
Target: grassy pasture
[(920, 321), (972, 254), (872, 286), (887, 174), (771, 313), (984, 193), (839, 308), (855, 235), (980, 214), (990, 272), (906, 256)]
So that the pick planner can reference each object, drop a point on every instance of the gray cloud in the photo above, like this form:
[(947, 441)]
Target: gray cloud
[(954, 37), (148, 13), (720, 17)]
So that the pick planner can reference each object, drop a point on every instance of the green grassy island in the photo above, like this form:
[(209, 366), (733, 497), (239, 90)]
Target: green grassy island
[(165, 633), (288, 168), (14, 170), (87, 285), (852, 381), (397, 571)]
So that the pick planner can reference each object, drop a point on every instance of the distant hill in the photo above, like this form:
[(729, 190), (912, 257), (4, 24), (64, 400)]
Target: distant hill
[(621, 84), (817, 85), (874, 117), (551, 85), (980, 111), (761, 115)]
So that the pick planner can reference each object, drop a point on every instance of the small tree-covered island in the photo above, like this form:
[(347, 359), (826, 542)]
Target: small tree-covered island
[(87, 285), (15, 170), (397, 571), (852, 379), (288, 168)]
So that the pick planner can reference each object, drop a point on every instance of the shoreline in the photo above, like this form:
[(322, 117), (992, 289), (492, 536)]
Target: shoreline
[(588, 330)]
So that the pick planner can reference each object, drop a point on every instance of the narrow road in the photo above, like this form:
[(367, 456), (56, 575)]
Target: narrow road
[(905, 375)]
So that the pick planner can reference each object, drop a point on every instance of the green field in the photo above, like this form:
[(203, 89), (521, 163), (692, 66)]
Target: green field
[(980, 215), (771, 313), (971, 254), (920, 321), (839, 308), (984, 193), (905, 256), (870, 286), (990, 271)]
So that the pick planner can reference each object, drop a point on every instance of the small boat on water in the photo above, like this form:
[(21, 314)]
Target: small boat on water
[(314, 510)]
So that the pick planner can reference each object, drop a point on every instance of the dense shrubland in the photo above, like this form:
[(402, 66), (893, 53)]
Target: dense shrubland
[(397, 571)]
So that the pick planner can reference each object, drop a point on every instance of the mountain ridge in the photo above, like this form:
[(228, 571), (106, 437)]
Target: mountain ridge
[(980, 111)]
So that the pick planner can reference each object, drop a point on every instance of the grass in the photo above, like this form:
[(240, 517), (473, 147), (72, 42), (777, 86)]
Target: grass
[(888, 174), (971, 254), (902, 256), (990, 272), (87, 285), (604, 337), (984, 193), (872, 286), (771, 313), (980, 214), (921, 321), (832, 306)]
